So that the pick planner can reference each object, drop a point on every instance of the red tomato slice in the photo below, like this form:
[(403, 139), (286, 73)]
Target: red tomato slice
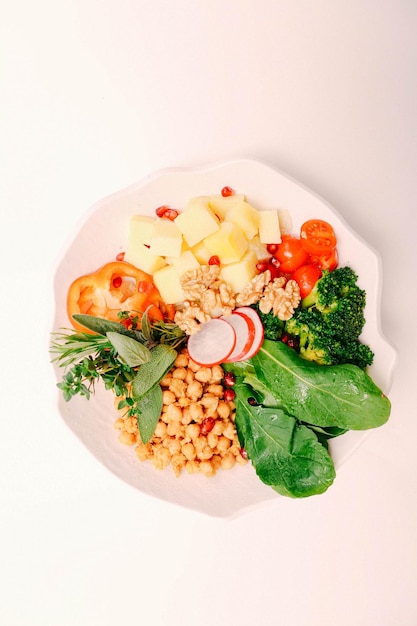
[(329, 262), (306, 277), (317, 237), (290, 254)]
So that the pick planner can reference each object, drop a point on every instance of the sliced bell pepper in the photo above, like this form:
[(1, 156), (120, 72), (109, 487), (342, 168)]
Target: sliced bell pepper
[(115, 287)]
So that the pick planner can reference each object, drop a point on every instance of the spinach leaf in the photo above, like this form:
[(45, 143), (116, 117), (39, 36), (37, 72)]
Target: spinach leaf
[(150, 373), (286, 455), (129, 350), (342, 396), (149, 409)]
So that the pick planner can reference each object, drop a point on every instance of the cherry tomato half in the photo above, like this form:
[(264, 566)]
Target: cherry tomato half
[(329, 262), (306, 277), (317, 237), (290, 254)]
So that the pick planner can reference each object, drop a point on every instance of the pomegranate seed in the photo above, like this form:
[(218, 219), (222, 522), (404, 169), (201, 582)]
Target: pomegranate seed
[(117, 281), (127, 323), (120, 256), (166, 211), (262, 266), (214, 260), (272, 248), (207, 425), (252, 401), (284, 338), (243, 453), (229, 395), (227, 191), (229, 379), (161, 210), (293, 343), (274, 262)]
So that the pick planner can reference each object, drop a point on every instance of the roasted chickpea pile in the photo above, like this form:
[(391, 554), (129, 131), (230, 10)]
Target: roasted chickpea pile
[(196, 430)]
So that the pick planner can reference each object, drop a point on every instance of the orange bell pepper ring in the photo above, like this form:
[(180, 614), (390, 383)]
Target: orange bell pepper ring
[(115, 287)]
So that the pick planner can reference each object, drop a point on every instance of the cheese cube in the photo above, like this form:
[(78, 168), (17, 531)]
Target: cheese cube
[(141, 228), (167, 281), (285, 221), (239, 274), (166, 239), (197, 221), (258, 248), (228, 243), (201, 253), (185, 262), (245, 216), (141, 257), (269, 230), (220, 205)]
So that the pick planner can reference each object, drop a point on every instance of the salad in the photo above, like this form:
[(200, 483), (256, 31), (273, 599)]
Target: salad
[(226, 338)]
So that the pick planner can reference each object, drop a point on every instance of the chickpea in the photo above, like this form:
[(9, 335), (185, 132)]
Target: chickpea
[(223, 409), (181, 360), (196, 411), (168, 397), (229, 431), (218, 427), (203, 374), (178, 387), (119, 423), (192, 431), (174, 446), (161, 429), (216, 374), (174, 429), (192, 365), (206, 468), (210, 403), (142, 452), (128, 439), (179, 372), (212, 439), (174, 412), (195, 390), (189, 451), (216, 390), (228, 461), (166, 380), (223, 444)]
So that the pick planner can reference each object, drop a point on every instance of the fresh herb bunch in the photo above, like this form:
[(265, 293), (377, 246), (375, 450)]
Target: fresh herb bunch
[(129, 360)]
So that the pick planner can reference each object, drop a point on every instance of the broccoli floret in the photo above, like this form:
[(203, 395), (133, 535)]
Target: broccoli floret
[(330, 320), (273, 326)]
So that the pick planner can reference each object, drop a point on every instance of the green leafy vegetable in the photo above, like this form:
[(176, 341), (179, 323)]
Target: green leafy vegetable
[(150, 373), (286, 455), (149, 409), (129, 350)]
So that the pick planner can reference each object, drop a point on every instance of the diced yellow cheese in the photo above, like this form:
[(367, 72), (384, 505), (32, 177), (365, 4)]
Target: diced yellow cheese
[(245, 216), (167, 281), (197, 221), (269, 230), (185, 262), (141, 257), (220, 205), (141, 228), (285, 221), (228, 243), (166, 239), (201, 253), (239, 274)]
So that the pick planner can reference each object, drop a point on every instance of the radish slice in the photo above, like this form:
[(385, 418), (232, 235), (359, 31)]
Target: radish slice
[(245, 335), (213, 343), (259, 329)]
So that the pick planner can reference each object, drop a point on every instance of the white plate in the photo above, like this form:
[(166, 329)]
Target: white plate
[(103, 234)]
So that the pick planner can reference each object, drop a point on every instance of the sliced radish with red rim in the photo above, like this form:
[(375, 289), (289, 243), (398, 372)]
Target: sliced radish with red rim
[(213, 343), (245, 335), (259, 329)]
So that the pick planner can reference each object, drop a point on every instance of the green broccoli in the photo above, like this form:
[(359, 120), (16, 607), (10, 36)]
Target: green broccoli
[(330, 320), (273, 326)]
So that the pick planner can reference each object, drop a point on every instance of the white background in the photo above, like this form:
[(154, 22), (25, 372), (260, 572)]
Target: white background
[(94, 96)]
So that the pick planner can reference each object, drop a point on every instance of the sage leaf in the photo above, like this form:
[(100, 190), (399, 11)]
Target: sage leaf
[(150, 373), (101, 326), (342, 396), (286, 455), (129, 350), (146, 326), (149, 410)]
